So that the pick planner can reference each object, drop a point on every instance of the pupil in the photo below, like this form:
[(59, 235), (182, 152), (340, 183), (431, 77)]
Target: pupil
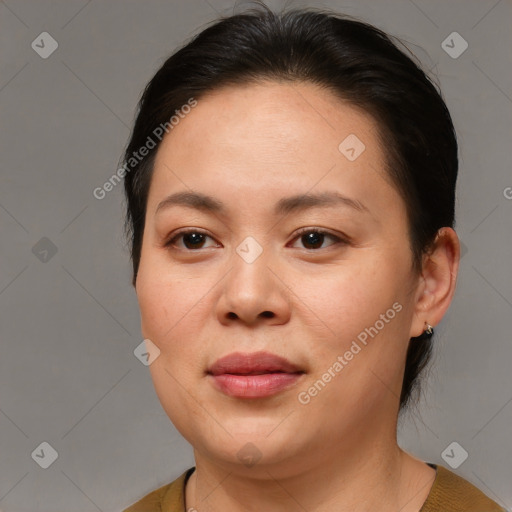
[(193, 239), (313, 238)]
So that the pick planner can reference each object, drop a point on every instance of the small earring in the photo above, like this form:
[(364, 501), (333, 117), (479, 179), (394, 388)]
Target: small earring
[(429, 330)]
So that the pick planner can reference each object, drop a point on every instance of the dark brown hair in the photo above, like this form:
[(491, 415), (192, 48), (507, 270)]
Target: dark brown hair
[(360, 64)]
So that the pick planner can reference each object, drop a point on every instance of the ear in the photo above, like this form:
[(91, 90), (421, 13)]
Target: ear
[(437, 281)]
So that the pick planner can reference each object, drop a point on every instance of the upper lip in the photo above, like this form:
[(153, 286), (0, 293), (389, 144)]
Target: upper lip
[(252, 363)]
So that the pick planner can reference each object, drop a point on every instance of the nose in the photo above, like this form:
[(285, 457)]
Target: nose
[(252, 293)]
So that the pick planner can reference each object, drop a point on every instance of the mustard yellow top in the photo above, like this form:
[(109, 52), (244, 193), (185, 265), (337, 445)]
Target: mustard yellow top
[(449, 493)]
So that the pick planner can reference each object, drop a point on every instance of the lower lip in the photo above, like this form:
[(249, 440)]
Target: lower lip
[(254, 386)]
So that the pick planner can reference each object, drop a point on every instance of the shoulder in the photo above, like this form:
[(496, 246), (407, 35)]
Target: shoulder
[(168, 498), (152, 502), (451, 493)]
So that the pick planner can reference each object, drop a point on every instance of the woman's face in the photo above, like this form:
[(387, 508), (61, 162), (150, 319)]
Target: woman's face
[(279, 163)]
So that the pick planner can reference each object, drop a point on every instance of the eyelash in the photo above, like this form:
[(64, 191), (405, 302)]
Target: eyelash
[(302, 231)]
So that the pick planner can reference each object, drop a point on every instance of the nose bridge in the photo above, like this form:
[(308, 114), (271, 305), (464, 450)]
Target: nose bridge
[(250, 261), (251, 289)]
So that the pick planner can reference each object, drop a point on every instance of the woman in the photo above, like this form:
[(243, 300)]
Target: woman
[(290, 183)]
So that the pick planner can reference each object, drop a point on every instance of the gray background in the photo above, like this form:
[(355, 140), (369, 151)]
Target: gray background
[(69, 325)]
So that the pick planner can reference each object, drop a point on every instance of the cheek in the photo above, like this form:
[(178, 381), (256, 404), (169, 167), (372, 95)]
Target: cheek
[(166, 298), (366, 320), (358, 359), (171, 313), (347, 300)]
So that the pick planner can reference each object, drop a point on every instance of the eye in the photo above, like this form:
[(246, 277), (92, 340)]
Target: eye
[(313, 238), (190, 239), (193, 239)]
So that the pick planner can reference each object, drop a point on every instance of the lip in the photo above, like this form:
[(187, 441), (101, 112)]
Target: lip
[(253, 375)]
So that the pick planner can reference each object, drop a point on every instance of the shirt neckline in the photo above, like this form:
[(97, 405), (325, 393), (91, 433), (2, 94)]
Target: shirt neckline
[(189, 472)]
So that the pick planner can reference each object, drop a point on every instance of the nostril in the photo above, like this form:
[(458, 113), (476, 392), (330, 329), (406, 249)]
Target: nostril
[(267, 314)]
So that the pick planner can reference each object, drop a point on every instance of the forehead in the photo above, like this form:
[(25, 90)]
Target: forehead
[(269, 137), (283, 119)]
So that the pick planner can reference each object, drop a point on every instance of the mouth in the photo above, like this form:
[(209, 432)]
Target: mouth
[(255, 375), (266, 372)]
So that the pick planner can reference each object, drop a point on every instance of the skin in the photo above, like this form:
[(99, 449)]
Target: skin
[(250, 146)]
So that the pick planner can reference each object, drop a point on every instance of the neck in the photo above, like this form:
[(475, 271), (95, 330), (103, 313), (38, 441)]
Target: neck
[(380, 477)]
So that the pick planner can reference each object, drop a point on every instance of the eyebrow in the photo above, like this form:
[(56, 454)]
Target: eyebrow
[(284, 206)]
